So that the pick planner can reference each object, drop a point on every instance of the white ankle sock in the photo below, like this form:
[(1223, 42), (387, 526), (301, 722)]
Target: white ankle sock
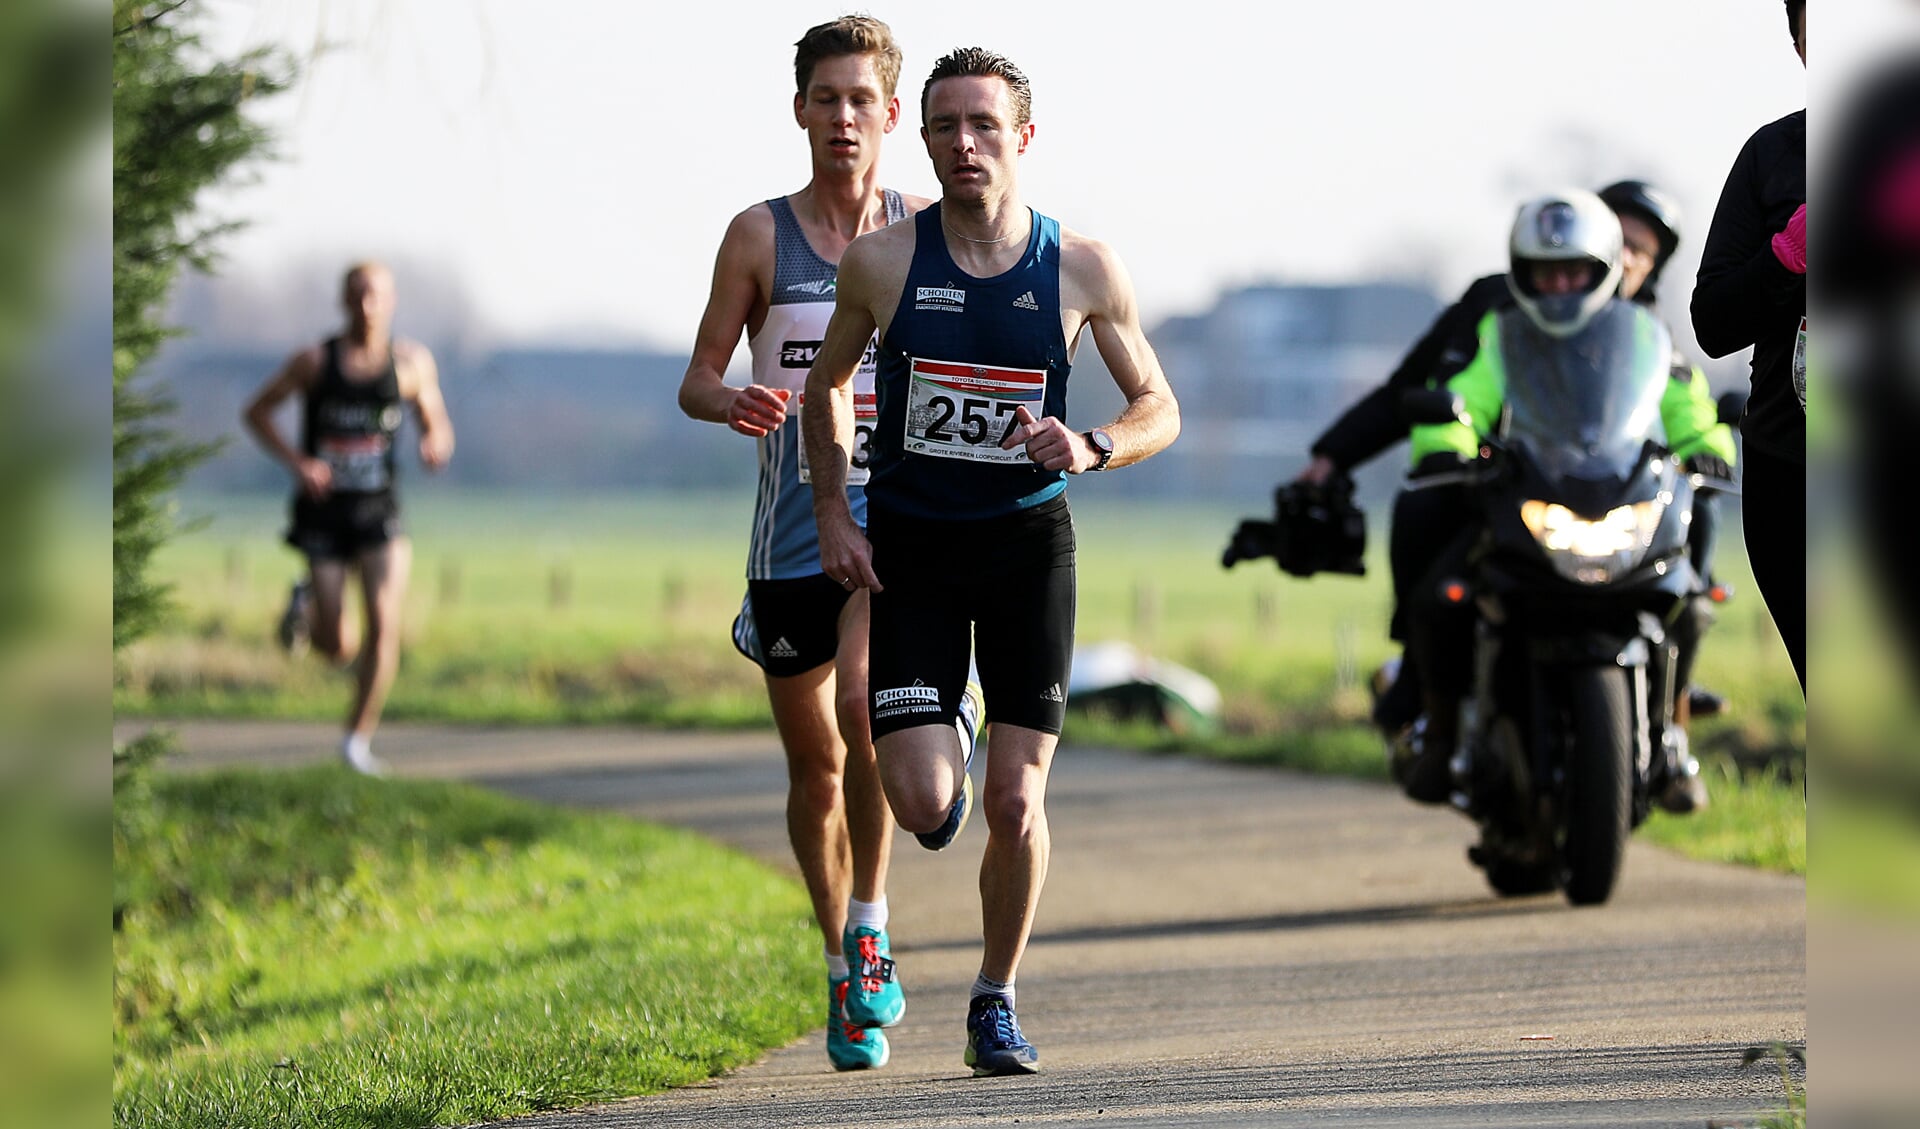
[(836, 966), (873, 914), (983, 986), (357, 750)]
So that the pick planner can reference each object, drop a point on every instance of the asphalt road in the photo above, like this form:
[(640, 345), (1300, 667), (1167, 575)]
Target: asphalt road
[(1216, 946)]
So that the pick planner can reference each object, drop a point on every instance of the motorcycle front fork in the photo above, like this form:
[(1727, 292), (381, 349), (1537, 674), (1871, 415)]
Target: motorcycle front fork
[(1652, 692)]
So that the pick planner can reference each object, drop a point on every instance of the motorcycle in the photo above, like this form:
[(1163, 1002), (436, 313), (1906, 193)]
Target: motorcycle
[(1568, 588)]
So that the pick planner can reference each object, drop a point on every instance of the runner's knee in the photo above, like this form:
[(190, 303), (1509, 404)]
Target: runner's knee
[(1011, 810)]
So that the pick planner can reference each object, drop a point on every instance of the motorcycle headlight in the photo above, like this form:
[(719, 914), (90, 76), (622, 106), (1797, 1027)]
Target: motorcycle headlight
[(1593, 552)]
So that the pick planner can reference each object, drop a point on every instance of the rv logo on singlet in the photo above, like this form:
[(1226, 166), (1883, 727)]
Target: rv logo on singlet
[(1026, 302), (917, 698), (800, 354), (948, 298), (816, 286)]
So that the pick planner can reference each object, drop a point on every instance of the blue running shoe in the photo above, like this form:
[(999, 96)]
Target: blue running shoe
[(849, 1046), (874, 998), (994, 1042), (972, 711)]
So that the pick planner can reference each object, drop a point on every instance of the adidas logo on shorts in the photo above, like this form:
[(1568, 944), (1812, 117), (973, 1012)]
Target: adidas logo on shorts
[(782, 649), (1052, 694), (1026, 302)]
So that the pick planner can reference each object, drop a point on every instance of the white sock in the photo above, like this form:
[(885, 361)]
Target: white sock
[(836, 966), (873, 915), (984, 986), (357, 750)]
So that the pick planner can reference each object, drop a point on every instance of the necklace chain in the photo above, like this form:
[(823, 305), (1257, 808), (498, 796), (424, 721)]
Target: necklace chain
[(971, 239)]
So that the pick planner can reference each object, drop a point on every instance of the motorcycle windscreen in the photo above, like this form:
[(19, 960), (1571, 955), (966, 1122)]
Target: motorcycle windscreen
[(1583, 407)]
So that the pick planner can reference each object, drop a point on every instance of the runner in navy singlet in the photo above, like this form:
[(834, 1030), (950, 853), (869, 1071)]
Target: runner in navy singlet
[(775, 281), (978, 303), (346, 513)]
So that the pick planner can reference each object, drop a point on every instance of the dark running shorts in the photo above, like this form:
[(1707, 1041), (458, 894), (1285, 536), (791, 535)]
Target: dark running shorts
[(789, 627), (343, 526), (1000, 589)]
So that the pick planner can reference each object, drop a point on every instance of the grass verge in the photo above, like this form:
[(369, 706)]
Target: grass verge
[(316, 949)]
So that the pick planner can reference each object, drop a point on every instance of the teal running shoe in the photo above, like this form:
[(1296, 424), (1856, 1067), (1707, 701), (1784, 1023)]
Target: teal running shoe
[(994, 1042), (874, 998), (972, 712), (849, 1046)]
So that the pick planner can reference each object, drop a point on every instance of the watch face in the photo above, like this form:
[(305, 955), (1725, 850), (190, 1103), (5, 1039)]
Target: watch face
[(1101, 440)]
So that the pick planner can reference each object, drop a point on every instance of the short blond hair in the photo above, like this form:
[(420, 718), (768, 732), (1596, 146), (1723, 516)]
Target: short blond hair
[(848, 35)]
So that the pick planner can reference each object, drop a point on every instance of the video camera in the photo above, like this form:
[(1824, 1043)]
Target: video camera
[(1314, 529)]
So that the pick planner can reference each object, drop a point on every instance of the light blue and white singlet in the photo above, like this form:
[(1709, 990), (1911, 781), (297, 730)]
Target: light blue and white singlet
[(785, 544)]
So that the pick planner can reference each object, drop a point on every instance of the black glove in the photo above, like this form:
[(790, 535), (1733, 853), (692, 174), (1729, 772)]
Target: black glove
[(1710, 465)]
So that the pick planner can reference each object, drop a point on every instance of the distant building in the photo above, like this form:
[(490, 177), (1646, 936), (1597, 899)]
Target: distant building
[(1268, 368), (1258, 376)]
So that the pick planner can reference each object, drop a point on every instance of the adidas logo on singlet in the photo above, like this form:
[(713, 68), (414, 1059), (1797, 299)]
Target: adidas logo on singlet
[(1026, 302), (782, 649), (1052, 694)]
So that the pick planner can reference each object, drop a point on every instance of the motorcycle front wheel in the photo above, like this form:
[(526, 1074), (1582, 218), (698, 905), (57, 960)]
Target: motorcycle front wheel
[(1598, 804)]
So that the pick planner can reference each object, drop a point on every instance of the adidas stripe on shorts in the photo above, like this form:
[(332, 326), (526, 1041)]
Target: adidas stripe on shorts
[(789, 627)]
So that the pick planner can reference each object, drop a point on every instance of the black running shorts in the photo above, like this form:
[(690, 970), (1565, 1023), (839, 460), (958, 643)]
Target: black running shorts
[(789, 627), (1000, 588), (342, 526)]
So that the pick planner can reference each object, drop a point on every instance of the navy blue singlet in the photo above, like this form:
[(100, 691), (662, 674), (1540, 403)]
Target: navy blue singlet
[(959, 356)]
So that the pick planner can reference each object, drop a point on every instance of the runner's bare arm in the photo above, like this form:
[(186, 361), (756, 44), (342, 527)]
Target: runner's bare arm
[(1096, 293), (421, 388), (1151, 419), (828, 434), (296, 376), (736, 300)]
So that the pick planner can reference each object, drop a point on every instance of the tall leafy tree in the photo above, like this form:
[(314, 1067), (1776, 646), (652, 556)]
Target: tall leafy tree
[(179, 126)]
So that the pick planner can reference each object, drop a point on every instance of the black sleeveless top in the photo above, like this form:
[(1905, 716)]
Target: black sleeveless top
[(352, 425)]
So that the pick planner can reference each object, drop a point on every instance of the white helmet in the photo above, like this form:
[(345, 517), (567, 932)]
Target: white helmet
[(1571, 225)]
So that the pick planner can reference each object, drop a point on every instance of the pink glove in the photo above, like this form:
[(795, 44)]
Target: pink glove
[(1790, 245)]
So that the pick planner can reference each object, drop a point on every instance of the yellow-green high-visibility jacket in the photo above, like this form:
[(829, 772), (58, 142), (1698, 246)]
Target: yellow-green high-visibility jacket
[(1687, 410)]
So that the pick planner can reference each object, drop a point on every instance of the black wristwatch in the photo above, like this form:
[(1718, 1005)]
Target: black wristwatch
[(1103, 444)]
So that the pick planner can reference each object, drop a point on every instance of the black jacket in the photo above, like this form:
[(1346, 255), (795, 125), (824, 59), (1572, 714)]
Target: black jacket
[(1743, 296), (1374, 424)]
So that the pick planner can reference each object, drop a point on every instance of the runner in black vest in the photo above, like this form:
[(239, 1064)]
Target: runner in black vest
[(346, 513), (979, 304)]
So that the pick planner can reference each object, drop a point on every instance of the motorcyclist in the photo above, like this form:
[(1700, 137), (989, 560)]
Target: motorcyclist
[(1567, 260), (1650, 222)]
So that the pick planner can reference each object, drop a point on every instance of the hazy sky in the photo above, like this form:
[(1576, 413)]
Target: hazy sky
[(575, 163)]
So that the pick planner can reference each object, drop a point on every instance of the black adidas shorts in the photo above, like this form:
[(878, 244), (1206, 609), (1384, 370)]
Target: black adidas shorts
[(1000, 590), (789, 627), (340, 527)]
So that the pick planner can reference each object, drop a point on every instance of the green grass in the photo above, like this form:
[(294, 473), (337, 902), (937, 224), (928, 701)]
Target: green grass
[(317, 949), (616, 609), (1753, 819)]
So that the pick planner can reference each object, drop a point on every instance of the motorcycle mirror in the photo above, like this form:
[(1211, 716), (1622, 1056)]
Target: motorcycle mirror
[(1732, 405), (1432, 405)]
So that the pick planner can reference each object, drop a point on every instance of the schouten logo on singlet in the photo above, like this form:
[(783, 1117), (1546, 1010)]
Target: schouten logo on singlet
[(949, 298), (917, 698)]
